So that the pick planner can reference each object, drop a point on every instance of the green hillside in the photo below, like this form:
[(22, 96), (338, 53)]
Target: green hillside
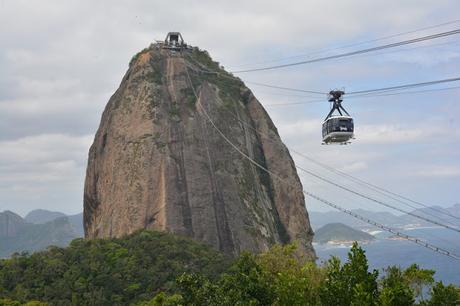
[(107, 271), (340, 232), (152, 269)]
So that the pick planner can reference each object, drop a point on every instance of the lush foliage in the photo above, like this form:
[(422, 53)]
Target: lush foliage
[(278, 277), (153, 269), (106, 271)]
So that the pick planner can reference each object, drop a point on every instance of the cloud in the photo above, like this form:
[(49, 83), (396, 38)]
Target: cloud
[(44, 148), (61, 61), (394, 133), (354, 167), (439, 171), (43, 171), (427, 58)]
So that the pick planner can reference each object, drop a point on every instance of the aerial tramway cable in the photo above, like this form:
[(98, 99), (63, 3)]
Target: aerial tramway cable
[(347, 54), (405, 86), (404, 236), (365, 96), (367, 91), (361, 182), (354, 94), (353, 44)]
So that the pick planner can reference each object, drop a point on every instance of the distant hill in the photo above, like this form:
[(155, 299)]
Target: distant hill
[(40, 216), (319, 219), (17, 235), (10, 224), (77, 223), (340, 232)]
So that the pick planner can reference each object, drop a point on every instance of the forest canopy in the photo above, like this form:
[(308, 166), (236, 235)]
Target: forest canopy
[(152, 268)]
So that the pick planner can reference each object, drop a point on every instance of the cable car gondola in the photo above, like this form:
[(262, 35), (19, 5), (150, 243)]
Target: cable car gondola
[(337, 129)]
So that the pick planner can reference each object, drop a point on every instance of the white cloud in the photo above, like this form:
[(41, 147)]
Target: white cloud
[(44, 148), (61, 61), (354, 167), (394, 134), (43, 171), (439, 171)]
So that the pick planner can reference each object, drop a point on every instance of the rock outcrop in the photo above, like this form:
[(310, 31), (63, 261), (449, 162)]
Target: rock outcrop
[(158, 163), (10, 224)]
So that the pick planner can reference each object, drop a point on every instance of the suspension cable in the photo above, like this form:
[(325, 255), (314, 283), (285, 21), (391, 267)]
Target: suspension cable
[(347, 54), (365, 96), (378, 201), (373, 187), (405, 86), (404, 236), (354, 94), (286, 88), (354, 44), (386, 228)]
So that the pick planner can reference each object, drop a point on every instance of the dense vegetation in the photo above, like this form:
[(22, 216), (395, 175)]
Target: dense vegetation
[(107, 271), (279, 278), (151, 269)]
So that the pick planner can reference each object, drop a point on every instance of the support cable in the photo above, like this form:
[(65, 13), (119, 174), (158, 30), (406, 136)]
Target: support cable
[(353, 44), (369, 221), (347, 54), (375, 188)]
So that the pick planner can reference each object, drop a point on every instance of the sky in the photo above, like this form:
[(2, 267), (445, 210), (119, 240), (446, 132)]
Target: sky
[(60, 61)]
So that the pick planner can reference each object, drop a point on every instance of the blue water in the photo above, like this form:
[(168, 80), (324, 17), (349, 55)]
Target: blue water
[(383, 253)]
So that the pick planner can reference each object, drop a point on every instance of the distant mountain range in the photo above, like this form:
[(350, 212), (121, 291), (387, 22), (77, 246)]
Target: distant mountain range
[(339, 233), (41, 228), (38, 230), (319, 219)]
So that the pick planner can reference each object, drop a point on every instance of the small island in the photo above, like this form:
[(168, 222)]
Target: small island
[(338, 233)]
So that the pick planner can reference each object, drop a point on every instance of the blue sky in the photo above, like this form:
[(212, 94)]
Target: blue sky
[(61, 60)]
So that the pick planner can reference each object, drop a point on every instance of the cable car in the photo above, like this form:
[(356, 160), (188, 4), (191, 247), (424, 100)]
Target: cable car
[(337, 129)]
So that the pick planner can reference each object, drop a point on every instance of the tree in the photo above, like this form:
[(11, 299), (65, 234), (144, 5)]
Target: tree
[(444, 295), (352, 283), (395, 290), (294, 279), (418, 279)]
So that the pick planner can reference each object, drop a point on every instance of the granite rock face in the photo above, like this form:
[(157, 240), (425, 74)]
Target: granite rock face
[(158, 163)]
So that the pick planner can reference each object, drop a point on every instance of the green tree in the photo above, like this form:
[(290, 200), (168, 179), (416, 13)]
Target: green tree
[(444, 295), (162, 299), (294, 279), (8, 302), (418, 279), (395, 290), (352, 283)]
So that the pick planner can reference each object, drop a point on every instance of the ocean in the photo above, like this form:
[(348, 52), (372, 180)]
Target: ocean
[(383, 252)]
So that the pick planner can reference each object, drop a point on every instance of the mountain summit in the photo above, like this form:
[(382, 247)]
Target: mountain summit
[(158, 163)]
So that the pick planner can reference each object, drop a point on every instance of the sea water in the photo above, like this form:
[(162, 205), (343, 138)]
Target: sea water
[(384, 252)]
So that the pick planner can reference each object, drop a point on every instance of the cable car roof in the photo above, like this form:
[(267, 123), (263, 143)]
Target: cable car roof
[(338, 117)]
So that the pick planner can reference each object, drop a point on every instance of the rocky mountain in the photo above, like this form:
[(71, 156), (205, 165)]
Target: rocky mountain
[(157, 163), (338, 232), (77, 224), (39, 216), (10, 224), (17, 235)]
